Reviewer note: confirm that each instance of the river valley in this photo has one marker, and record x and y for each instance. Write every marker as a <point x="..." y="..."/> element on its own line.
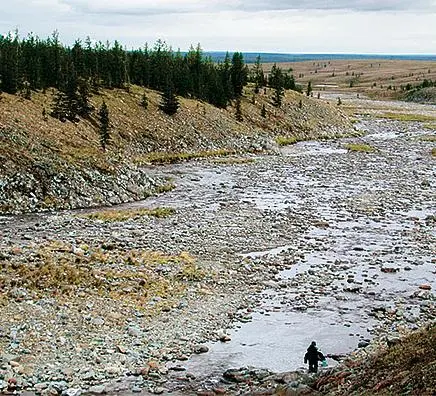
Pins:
<point x="315" y="242"/>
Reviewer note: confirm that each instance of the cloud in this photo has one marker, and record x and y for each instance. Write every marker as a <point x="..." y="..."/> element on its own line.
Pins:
<point x="360" y="5"/>
<point x="259" y="25"/>
<point x="144" y="7"/>
<point x="150" y="7"/>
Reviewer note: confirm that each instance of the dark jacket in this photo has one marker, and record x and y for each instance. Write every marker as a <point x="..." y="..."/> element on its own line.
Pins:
<point x="311" y="354"/>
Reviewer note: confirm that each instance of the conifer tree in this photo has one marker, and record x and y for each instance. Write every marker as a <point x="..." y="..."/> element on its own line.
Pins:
<point x="144" y="101"/>
<point x="277" y="98"/>
<point x="238" y="73"/>
<point x="258" y="76"/>
<point x="25" y="90"/>
<point x="309" y="88"/>
<point x="238" y="111"/>
<point x="276" y="82"/>
<point x="84" y="107"/>
<point x="86" y="67"/>
<point x="263" y="111"/>
<point x="59" y="108"/>
<point x="104" y="131"/>
<point x="169" y="102"/>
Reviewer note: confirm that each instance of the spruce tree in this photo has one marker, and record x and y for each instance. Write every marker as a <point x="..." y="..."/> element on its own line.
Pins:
<point x="84" y="107"/>
<point x="59" y="107"/>
<point x="104" y="131"/>
<point x="276" y="81"/>
<point x="238" y="73"/>
<point x="144" y="101"/>
<point x="309" y="88"/>
<point x="277" y="98"/>
<point x="169" y="102"/>
<point x="258" y="76"/>
<point x="263" y="111"/>
<point x="25" y="90"/>
<point x="238" y="111"/>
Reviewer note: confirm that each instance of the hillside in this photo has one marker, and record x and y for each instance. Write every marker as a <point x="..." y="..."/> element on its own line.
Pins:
<point x="406" y="366"/>
<point x="423" y="95"/>
<point x="374" y="78"/>
<point x="49" y="164"/>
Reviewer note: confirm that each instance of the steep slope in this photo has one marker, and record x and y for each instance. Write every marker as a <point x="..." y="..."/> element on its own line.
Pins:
<point x="49" y="164"/>
<point x="406" y="368"/>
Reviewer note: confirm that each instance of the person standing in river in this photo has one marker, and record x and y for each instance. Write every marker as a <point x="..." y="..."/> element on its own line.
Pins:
<point x="313" y="356"/>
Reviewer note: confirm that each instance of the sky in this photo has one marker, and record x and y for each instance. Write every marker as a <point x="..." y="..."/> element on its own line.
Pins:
<point x="292" y="26"/>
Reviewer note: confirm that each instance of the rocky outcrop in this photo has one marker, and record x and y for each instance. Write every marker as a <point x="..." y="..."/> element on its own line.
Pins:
<point x="50" y="183"/>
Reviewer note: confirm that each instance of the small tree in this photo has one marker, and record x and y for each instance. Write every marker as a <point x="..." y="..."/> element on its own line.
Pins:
<point x="84" y="107"/>
<point x="278" y="95"/>
<point x="59" y="108"/>
<point x="103" y="115"/>
<point x="276" y="81"/>
<point x="25" y="90"/>
<point x="263" y="111"/>
<point x="309" y="88"/>
<point x="169" y="103"/>
<point x="144" y="101"/>
<point x="238" y="112"/>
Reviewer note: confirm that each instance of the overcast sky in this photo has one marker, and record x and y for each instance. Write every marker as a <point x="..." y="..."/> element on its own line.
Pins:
<point x="326" y="26"/>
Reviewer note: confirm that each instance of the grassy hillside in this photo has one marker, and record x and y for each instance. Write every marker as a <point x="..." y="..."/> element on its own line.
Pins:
<point x="46" y="163"/>
<point x="379" y="79"/>
<point x="406" y="368"/>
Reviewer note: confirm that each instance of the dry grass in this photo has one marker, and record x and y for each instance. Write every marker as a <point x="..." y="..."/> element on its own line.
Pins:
<point x="166" y="187"/>
<point x="428" y="138"/>
<point x="170" y="158"/>
<point x="135" y="275"/>
<point x="375" y="78"/>
<point x="408" y="368"/>
<point x="360" y="147"/>
<point x="407" y="117"/>
<point x="114" y="215"/>
<point x="149" y="136"/>
<point x="286" y="140"/>
<point x="430" y="125"/>
<point x="233" y="161"/>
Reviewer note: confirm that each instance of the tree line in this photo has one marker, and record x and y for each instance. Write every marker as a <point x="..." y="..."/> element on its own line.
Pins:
<point x="32" y="63"/>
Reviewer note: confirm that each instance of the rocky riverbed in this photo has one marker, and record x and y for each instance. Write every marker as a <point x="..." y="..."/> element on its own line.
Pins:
<point x="262" y="255"/>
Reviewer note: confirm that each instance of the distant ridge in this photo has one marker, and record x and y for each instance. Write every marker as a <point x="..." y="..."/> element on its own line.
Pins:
<point x="266" y="57"/>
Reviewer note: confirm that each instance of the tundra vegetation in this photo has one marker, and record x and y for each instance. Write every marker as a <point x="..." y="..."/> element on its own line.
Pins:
<point x="360" y="147"/>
